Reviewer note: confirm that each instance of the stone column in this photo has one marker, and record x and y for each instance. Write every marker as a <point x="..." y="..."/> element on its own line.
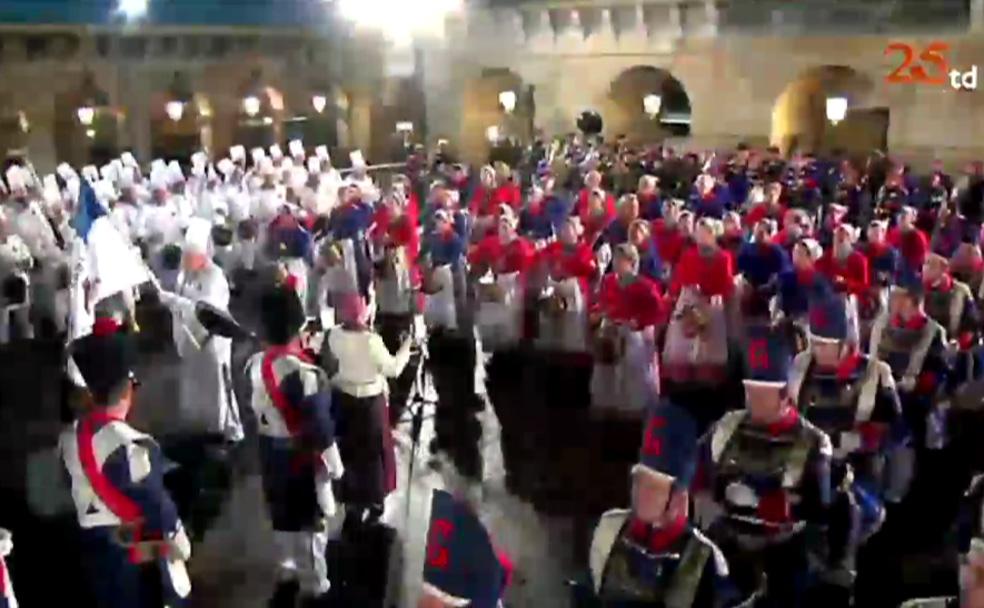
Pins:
<point x="977" y="15"/>
<point x="135" y="93"/>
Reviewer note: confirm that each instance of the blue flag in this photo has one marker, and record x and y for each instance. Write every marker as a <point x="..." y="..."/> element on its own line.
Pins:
<point x="87" y="211"/>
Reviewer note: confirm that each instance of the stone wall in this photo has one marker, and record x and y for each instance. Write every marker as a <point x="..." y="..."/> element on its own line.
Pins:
<point x="733" y="81"/>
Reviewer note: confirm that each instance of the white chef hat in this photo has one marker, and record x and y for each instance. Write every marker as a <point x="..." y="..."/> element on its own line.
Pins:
<point x="127" y="177"/>
<point x="16" y="178"/>
<point x="158" y="175"/>
<point x="50" y="190"/>
<point x="237" y="153"/>
<point x="199" y="160"/>
<point x="174" y="173"/>
<point x="65" y="171"/>
<point x="314" y="165"/>
<point x="287" y="165"/>
<point x="90" y="173"/>
<point x="265" y="166"/>
<point x="296" y="148"/>
<point x="105" y="191"/>
<point x="358" y="159"/>
<point x="226" y="167"/>
<point x="109" y="172"/>
<point x="276" y="153"/>
<point x="128" y="160"/>
<point x="322" y="153"/>
<point x="258" y="154"/>
<point x="198" y="236"/>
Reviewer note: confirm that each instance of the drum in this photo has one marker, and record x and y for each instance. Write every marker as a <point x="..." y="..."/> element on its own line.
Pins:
<point x="222" y="236"/>
<point x="608" y="343"/>
<point x="247" y="230"/>
<point x="429" y="284"/>
<point x="492" y="293"/>
<point x="171" y="257"/>
<point x="14" y="290"/>
<point x="556" y="304"/>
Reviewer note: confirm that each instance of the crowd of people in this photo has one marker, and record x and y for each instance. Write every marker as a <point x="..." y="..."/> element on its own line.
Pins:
<point x="843" y="297"/>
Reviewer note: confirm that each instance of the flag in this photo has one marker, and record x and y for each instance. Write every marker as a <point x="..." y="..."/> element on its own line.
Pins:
<point x="87" y="211"/>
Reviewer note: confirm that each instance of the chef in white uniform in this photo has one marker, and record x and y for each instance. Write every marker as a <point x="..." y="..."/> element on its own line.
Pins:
<point x="206" y="394"/>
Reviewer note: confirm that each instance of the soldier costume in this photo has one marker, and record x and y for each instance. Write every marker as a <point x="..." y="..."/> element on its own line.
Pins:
<point x="207" y="395"/>
<point x="951" y="303"/>
<point x="627" y="313"/>
<point x="851" y="397"/>
<point x="298" y="453"/>
<point x="766" y="471"/>
<point x="650" y="555"/>
<point x="462" y="567"/>
<point x="134" y="542"/>
<point x="912" y="344"/>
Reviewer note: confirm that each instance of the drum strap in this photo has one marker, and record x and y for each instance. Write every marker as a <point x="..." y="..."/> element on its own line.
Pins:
<point x="121" y="505"/>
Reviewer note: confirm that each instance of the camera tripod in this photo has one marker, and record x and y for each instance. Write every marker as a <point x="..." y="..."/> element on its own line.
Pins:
<point x="415" y="413"/>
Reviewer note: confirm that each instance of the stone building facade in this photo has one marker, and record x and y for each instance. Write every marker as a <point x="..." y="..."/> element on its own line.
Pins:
<point x="728" y="70"/>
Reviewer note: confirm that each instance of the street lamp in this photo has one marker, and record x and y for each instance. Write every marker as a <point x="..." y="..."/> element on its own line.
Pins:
<point x="651" y="104"/>
<point x="251" y="105"/>
<point x="180" y="97"/>
<point x="836" y="109"/>
<point x="507" y="99"/>
<point x="91" y="98"/>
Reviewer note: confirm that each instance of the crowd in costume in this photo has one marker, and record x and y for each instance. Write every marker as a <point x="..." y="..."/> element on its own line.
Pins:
<point x="792" y="338"/>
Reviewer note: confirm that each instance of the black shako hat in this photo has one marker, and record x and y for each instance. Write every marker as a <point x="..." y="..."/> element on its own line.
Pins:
<point x="105" y="358"/>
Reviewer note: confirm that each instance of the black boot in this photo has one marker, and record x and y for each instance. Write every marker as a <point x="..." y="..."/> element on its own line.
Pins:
<point x="285" y="595"/>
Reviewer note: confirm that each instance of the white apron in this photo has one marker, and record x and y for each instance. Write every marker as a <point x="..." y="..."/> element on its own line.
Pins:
<point x="394" y="289"/>
<point x="628" y="386"/>
<point x="439" y="307"/>
<point x="207" y="399"/>
<point x="500" y="322"/>
<point x="703" y="358"/>
<point x="566" y="330"/>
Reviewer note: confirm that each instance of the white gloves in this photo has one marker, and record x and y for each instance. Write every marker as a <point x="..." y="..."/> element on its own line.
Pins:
<point x="333" y="469"/>
<point x="180" y="544"/>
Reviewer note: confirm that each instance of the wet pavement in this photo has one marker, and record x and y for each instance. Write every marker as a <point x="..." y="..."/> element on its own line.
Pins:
<point x="551" y="466"/>
<point x="540" y="512"/>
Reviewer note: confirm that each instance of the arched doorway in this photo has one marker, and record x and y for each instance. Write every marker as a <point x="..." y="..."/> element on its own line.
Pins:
<point x="497" y="116"/>
<point x="87" y="126"/>
<point x="799" y="117"/>
<point x="260" y="114"/>
<point x="647" y="105"/>
<point x="176" y="136"/>
<point x="319" y="117"/>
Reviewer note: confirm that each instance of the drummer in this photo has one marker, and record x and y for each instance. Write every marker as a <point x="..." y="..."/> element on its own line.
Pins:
<point x="629" y="309"/>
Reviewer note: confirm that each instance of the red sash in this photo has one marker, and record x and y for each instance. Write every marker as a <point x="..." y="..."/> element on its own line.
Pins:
<point x="121" y="505"/>
<point x="292" y="418"/>
<point x="3" y="578"/>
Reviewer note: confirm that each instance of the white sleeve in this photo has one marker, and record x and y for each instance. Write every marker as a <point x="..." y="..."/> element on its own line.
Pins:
<point x="217" y="290"/>
<point x="389" y="365"/>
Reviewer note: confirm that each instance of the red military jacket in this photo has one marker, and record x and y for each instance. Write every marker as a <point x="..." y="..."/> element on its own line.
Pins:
<point x="487" y="202"/>
<point x="850" y="274"/>
<point x="577" y="261"/>
<point x="641" y="301"/>
<point x="714" y="275"/>
<point x="516" y="256"/>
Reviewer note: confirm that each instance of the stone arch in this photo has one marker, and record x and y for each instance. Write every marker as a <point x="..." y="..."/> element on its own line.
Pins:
<point x="625" y="114"/>
<point x="329" y="127"/>
<point x="482" y="112"/>
<point x="79" y="144"/>
<point x="799" y="116"/>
